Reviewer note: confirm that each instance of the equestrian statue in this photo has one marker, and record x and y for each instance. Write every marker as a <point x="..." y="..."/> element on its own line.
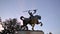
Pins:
<point x="32" y="20"/>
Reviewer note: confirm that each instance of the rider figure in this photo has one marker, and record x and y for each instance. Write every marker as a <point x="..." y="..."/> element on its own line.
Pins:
<point x="31" y="14"/>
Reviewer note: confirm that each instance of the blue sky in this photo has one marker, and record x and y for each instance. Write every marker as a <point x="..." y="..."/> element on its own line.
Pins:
<point x="48" y="9"/>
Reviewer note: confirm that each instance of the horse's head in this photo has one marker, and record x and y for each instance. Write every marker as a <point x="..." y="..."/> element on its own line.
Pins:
<point x="38" y="17"/>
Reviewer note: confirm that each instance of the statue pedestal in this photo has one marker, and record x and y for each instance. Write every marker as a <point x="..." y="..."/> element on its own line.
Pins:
<point x="31" y="32"/>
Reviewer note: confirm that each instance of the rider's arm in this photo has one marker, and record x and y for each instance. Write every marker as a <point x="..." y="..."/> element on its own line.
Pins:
<point x="30" y="13"/>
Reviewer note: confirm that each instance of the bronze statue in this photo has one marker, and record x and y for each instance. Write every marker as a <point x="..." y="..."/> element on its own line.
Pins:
<point x="32" y="20"/>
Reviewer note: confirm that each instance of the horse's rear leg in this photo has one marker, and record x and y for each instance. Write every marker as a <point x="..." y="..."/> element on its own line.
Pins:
<point x="33" y="27"/>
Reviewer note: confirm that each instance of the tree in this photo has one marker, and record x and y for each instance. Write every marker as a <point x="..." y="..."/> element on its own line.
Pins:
<point x="10" y="26"/>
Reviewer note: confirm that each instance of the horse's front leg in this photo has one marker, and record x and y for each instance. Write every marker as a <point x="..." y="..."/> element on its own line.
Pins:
<point x="41" y="24"/>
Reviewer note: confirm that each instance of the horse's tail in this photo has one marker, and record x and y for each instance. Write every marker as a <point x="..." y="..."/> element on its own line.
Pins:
<point x="21" y="17"/>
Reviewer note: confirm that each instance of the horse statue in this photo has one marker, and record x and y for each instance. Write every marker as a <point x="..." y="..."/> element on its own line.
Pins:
<point x="32" y="20"/>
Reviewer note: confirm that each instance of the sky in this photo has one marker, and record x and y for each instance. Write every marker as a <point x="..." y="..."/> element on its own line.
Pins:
<point x="49" y="10"/>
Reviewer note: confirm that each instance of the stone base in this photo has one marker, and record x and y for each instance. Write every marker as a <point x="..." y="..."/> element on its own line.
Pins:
<point x="31" y="32"/>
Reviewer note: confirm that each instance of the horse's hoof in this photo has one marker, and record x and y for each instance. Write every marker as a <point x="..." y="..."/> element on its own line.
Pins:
<point x="41" y="25"/>
<point x="32" y="29"/>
